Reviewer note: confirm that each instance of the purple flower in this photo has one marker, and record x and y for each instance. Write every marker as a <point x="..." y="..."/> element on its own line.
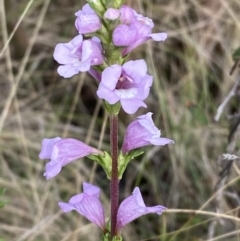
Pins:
<point x="127" y="14"/>
<point x="134" y="30"/>
<point x="112" y="14"/>
<point x="87" y="204"/>
<point x="130" y="84"/>
<point x="61" y="152"/>
<point x="87" y="20"/>
<point x="134" y="207"/>
<point x="78" y="55"/>
<point x="143" y="132"/>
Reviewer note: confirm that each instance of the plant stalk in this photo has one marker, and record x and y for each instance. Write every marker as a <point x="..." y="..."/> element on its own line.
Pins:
<point x="114" y="183"/>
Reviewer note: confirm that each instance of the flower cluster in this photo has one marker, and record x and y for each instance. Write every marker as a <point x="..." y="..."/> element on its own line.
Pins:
<point x="107" y="32"/>
<point x="130" y="82"/>
<point x="88" y="205"/>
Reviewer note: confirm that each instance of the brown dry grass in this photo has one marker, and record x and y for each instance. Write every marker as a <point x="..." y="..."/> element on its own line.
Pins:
<point x="191" y="78"/>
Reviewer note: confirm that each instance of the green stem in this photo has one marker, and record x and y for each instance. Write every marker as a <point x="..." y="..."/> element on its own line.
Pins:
<point x="114" y="184"/>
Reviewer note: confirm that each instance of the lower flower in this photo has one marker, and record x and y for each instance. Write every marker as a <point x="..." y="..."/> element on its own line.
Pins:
<point x="89" y="205"/>
<point x="61" y="152"/>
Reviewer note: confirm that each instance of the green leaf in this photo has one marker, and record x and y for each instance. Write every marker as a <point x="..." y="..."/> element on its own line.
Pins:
<point x="123" y="160"/>
<point x="236" y="54"/>
<point x="105" y="161"/>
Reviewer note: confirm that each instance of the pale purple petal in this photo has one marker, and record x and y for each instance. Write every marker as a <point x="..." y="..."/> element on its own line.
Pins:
<point x="66" y="207"/>
<point x="135" y="69"/>
<point x="67" y="71"/>
<point x="91" y="189"/>
<point x="110" y="76"/>
<point x="143" y="132"/>
<point x="52" y="170"/>
<point x="69" y="149"/>
<point x="91" y="51"/>
<point x="130" y="106"/>
<point x="159" y="36"/>
<point x="160" y="141"/>
<point x="61" y="152"/>
<point x="87" y="20"/>
<point x="133" y="207"/>
<point x="87" y="9"/>
<point x="106" y="94"/>
<point x="112" y="14"/>
<point x="87" y="204"/>
<point x="47" y="146"/>
<point x="124" y="35"/>
<point x="127" y="14"/>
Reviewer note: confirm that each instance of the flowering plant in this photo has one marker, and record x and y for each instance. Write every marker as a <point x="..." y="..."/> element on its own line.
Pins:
<point x="107" y="32"/>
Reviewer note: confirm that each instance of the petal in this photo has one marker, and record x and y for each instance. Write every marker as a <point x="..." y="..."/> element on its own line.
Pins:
<point x="112" y="14"/>
<point x="124" y="35"/>
<point x="131" y="105"/>
<point x="52" y="170"/>
<point x="87" y="204"/>
<point x="67" y="71"/>
<point x="47" y="146"/>
<point x="65" y="53"/>
<point x="127" y="14"/>
<point x="136" y="69"/>
<point x="66" y="207"/>
<point x="126" y="93"/>
<point x="62" y="54"/>
<point x="161" y="141"/>
<point x="91" y="189"/>
<point x="133" y="207"/>
<point x="111" y="75"/>
<point x="106" y="94"/>
<point x="68" y="150"/>
<point x="159" y="36"/>
<point x="87" y="9"/>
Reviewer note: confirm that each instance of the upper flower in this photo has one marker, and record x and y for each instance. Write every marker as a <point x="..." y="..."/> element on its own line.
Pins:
<point x="87" y="20"/>
<point x="78" y="55"/>
<point x="135" y="29"/>
<point x="143" y="132"/>
<point x="87" y="204"/>
<point x="130" y="84"/>
<point x="134" y="207"/>
<point x="61" y="152"/>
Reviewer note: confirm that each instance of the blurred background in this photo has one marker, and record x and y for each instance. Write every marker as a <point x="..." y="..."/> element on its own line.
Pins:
<point x="191" y="79"/>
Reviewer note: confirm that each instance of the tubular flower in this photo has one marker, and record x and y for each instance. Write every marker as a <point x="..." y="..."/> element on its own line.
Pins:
<point x="61" y="152"/>
<point x="112" y="14"/>
<point x="87" y="20"/>
<point x="134" y="207"/>
<point x="130" y="84"/>
<point x="143" y="132"/>
<point x="134" y="30"/>
<point x="87" y="204"/>
<point x="78" y="55"/>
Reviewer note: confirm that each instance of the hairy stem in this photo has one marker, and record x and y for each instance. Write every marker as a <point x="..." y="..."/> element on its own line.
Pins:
<point x="114" y="185"/>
